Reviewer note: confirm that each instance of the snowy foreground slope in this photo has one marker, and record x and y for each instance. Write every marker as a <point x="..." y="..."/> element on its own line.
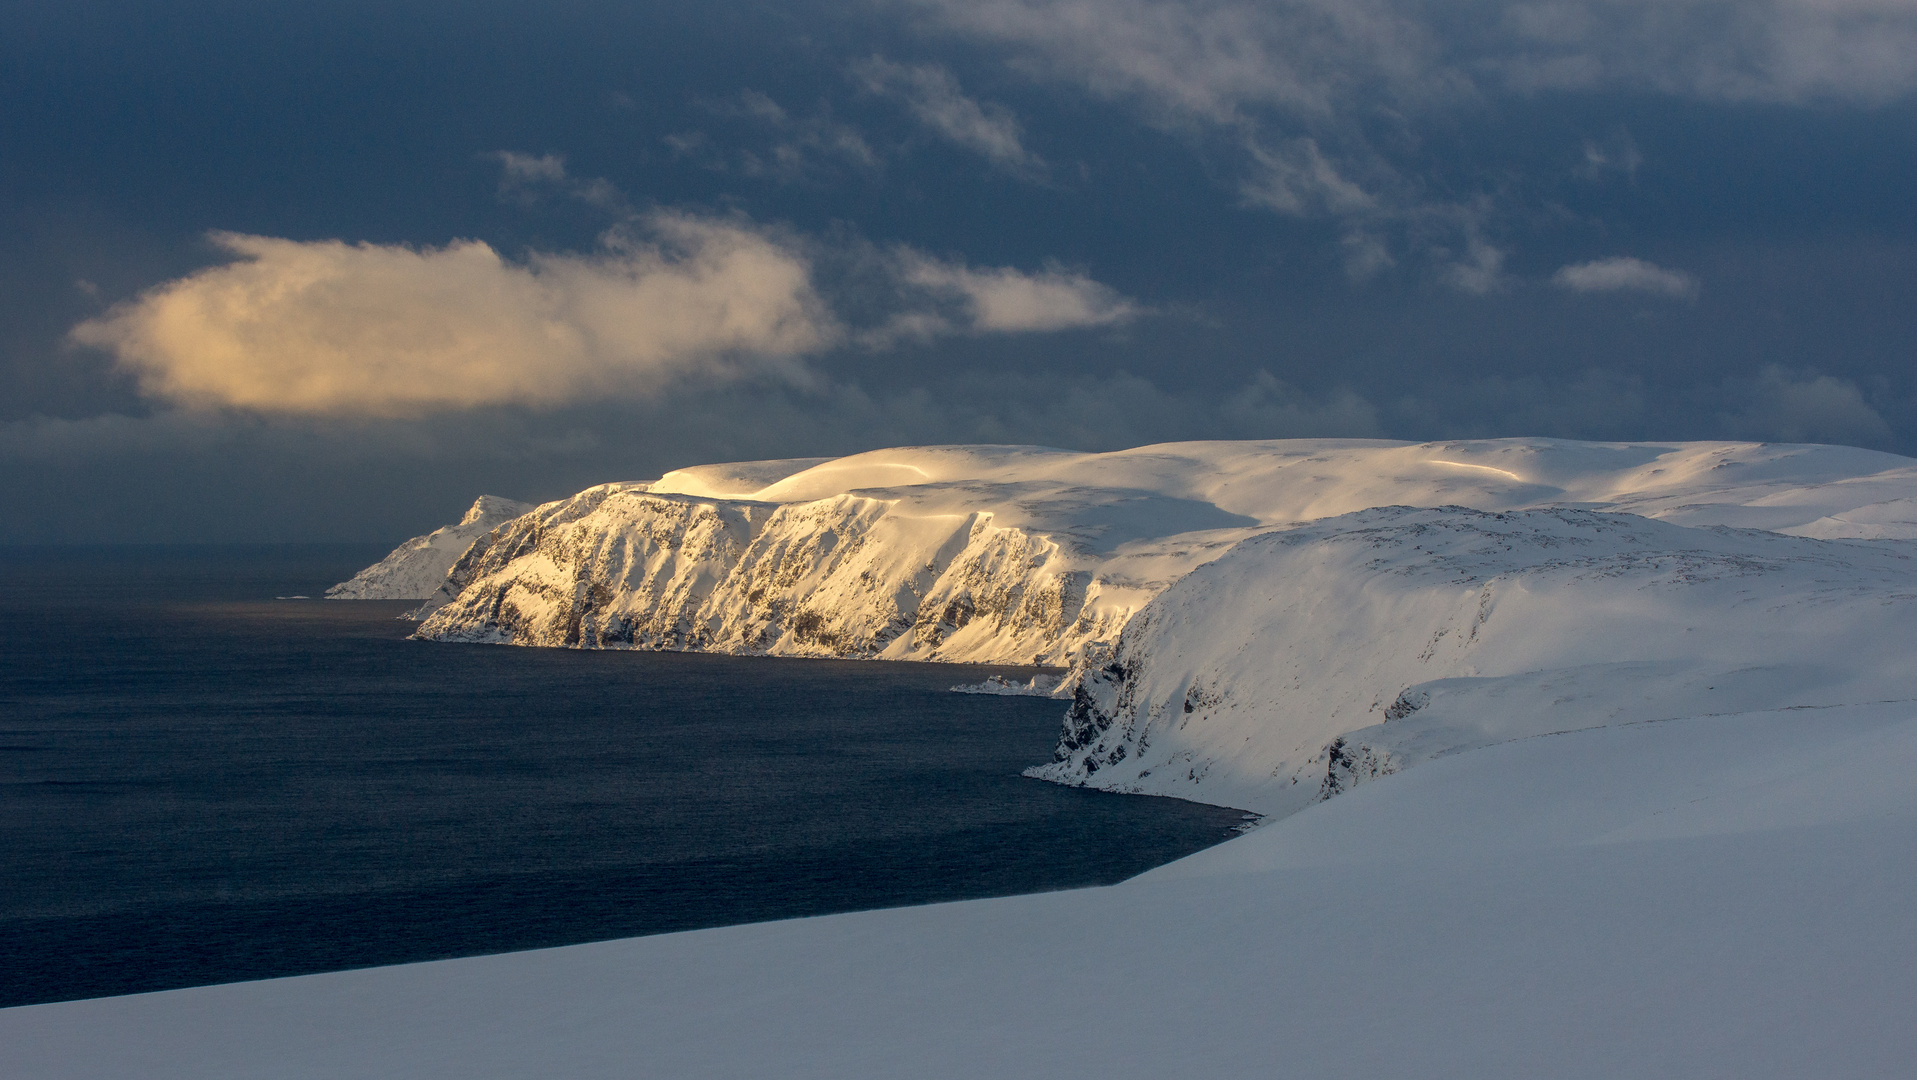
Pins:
<point x="1722" y="896"/>
<point x="416" y="569"/>
<point x="1024" y="554"/>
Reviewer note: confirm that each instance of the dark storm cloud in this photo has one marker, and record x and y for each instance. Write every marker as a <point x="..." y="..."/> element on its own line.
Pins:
<point x="1088" y="223"/>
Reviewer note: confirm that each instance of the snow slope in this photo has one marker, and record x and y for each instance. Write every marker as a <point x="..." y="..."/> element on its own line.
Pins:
<point x="1710" y="897"/>
<point x="1033" y="555"/>
<point x="1306" y="661"/>
<point x="416" y="568"/>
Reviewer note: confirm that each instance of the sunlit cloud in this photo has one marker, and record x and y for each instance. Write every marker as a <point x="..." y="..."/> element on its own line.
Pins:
<point x="1625" y="274"/>
<point x="1007" y="300"/>
<point x="331" y="328"/>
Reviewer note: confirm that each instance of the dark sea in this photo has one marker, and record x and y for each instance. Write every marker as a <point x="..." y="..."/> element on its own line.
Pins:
<point x="200" y="783"/>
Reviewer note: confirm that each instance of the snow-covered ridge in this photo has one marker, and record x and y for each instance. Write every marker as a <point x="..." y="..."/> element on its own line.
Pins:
<point x="1032" y="555"/>
<point x="418" y="567"/>
<point x="1305" y="661"/>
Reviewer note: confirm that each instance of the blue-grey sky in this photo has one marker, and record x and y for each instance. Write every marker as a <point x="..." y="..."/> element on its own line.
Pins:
<point x="326" y="270"/>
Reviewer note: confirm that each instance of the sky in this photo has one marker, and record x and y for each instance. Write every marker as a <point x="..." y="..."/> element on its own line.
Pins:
<point x="326" y="271"/>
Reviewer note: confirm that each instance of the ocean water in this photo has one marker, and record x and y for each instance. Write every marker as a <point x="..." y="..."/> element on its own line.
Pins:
<point x="201" y="783"/>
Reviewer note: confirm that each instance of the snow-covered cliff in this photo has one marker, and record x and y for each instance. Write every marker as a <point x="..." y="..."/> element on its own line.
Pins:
<point x="417" y="568"/>
<point x="1033" y="555"/>
<point x="1305" y="661"/>
<point x="849" y="575"/>
<point x="1256" y="624"/>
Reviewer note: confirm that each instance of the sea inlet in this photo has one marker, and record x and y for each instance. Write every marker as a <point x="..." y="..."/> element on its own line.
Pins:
<point x="201" y="782"/>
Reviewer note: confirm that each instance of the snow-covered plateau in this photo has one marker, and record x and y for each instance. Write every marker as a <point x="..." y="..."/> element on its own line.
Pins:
<point x="1622" y="739"/>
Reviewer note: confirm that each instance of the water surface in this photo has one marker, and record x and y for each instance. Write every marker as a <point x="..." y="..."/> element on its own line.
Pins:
<point x="200" y="783"/>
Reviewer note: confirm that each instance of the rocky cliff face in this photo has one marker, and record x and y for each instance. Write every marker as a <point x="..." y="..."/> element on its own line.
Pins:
<point x="850" y="576"/>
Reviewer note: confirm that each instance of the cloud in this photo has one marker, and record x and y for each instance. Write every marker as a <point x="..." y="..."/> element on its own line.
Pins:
<point x="1480" y="271"/>
<point x="1806" y="407"/>
<point x="1298" y="89"/>
<point x="1220" y="60"/>
<point x="524" y="170"/>
<point x="1624" y="274"/>
<point x="1298" y="179"/>
<point x="1006" y="300"/>
<point x="1785" y="51"/>
<point x="329" y="327"/>
<point x="935" y="99"/>
<point x="1366" y="256"/>
<point x="803" y="146"/>
<point x="1327" y="102"/>
<point x="1205" y="60"/>
<point x="335" y="329"/>
<point x="1618" y="154"/>
<point x="526" y="179"/>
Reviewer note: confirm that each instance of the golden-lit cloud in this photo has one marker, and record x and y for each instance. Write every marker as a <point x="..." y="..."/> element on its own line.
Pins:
<point x="1005" y="300"/>
<point x="330" y="328"/>
<point x="326" y="327"/>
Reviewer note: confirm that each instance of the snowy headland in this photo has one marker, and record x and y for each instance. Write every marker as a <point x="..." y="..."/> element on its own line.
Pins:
<point x="1579" y="760"/>
<point x="1253" y="624"/>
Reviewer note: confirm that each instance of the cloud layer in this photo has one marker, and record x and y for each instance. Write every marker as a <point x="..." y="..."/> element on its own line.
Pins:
<point x="1220" y="59"/>
<point x="1326" y="99"/>
<point x="326" y="327"/>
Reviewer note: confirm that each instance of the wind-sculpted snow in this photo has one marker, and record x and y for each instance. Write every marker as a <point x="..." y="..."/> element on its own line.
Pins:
<point x="1018" y="554"/>
<point x="1306" y="661"/>
<point x="417" y="568"/>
